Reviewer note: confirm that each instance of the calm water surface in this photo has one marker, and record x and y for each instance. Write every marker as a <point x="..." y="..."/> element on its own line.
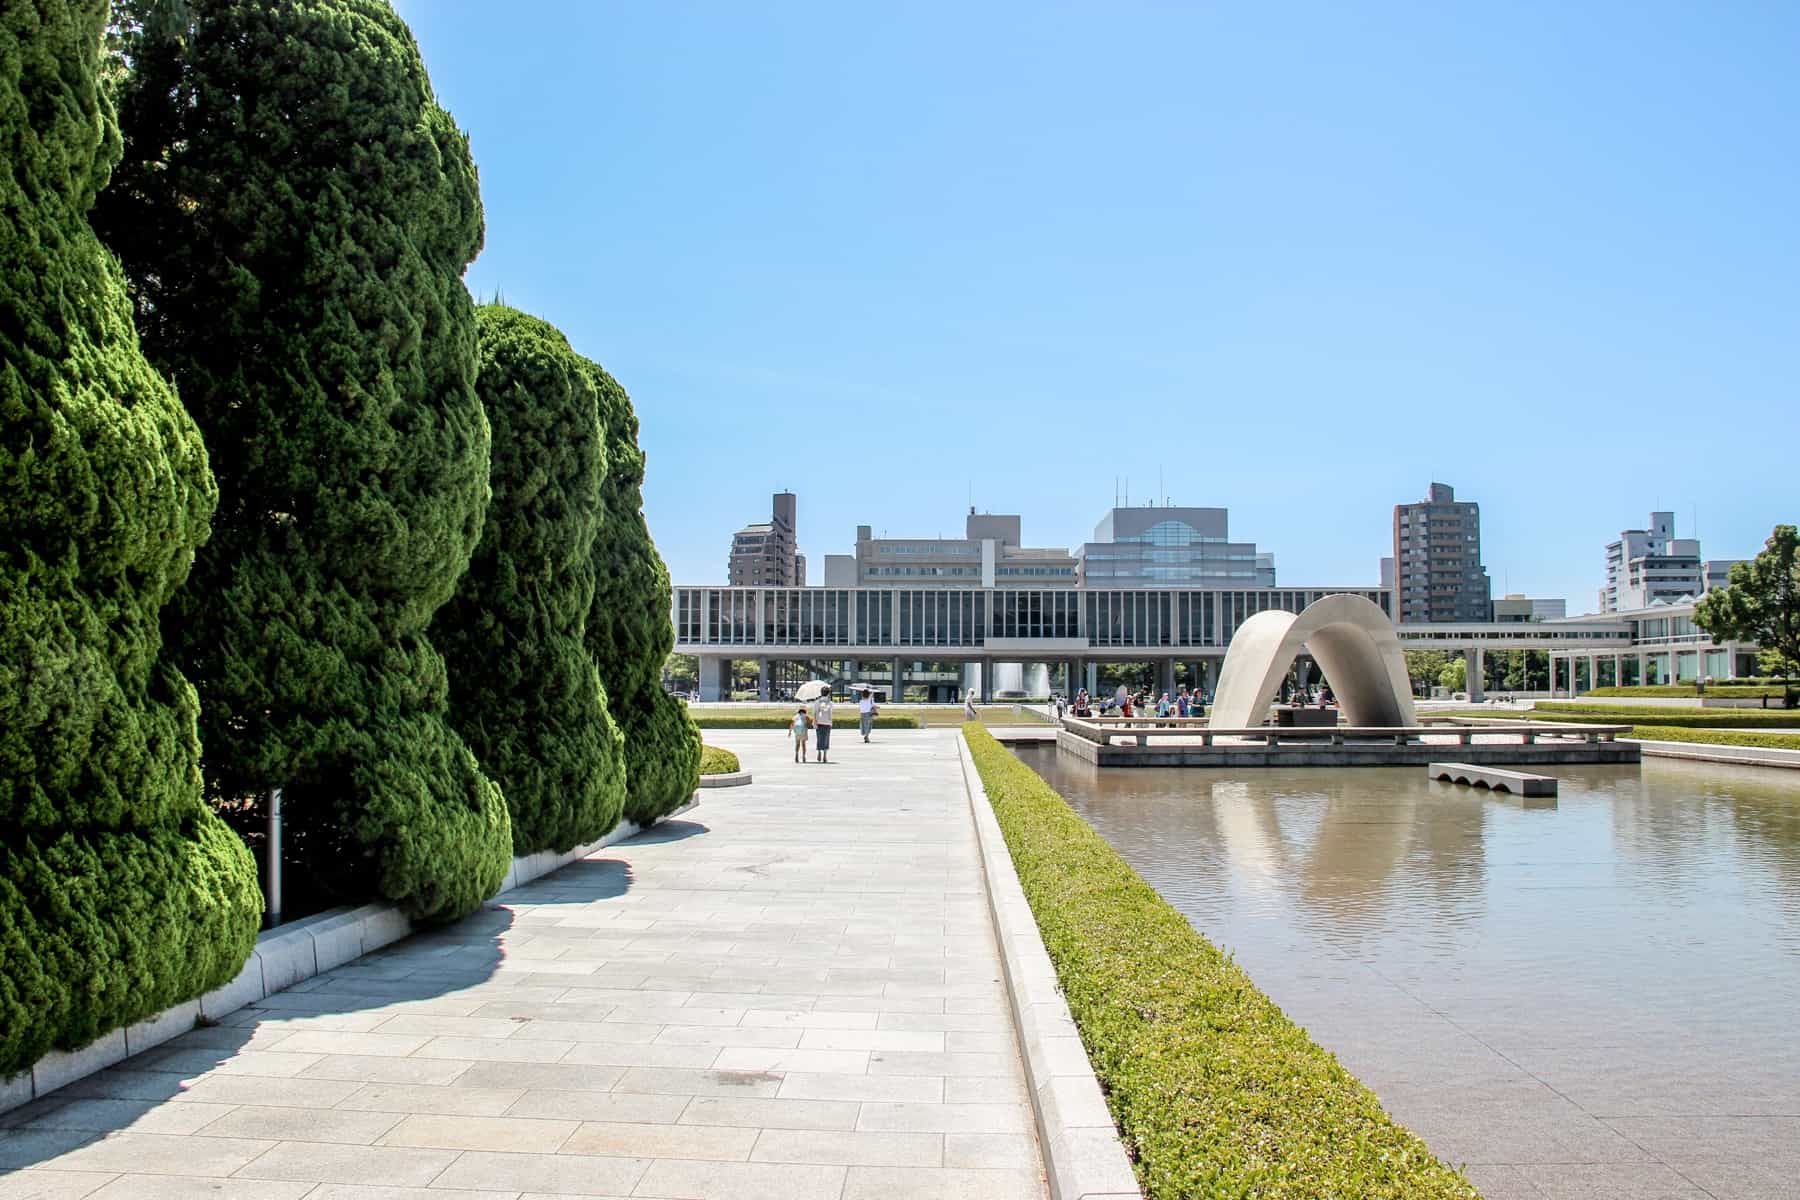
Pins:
<point x="1599" y="997"/>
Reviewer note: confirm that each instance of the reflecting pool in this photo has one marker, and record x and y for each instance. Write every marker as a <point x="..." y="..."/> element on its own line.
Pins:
<point x="1595" y="997"/>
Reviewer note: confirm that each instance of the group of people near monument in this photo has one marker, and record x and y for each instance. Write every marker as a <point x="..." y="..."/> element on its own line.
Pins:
<point x="1141" y="703"/>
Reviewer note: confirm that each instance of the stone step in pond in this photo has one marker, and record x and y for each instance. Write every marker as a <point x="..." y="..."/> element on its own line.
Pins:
<point x="1518" y="783"/>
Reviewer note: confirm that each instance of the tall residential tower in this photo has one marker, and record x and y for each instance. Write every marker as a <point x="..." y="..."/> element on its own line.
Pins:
<point x="766" y="554"/>
<point x="1438" y="574"/>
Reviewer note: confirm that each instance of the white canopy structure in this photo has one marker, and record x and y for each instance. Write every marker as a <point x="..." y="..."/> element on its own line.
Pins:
<point x="1350" y="638"/>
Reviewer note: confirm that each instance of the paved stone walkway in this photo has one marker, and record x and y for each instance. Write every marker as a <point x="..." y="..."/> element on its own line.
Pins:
<point x="792" y="993"/>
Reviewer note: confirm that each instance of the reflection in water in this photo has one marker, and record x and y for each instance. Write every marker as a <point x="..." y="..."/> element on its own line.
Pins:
<point x="1631" y="953"/>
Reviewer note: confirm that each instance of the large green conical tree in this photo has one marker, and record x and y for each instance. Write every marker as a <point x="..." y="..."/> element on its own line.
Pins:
<point x="120" y="892"/>
<point x="524" y="691"/>
<point x="630" y="631"/>
<point x="295" y="213"/>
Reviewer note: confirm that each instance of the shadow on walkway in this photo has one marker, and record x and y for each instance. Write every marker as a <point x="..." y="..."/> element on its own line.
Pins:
<point x="300" y="1047"/>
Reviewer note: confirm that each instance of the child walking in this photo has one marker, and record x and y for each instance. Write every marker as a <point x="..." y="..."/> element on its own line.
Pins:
<point x="799" y="730"/>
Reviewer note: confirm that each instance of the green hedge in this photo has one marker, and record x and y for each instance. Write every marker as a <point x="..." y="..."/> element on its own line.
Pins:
<point x="714" y="761"/>
<point x="1686" y="691"/>
<point x="1215" y="1091"/>
<point x="1681" y="718"/>
<point x="524" y="690"/>
<point x="1716" y="737"/>
<point x="295" y="212"/>
<point x="768" y="720"/>
<point x="629" y="628"/>
<point x="120" y="893"/>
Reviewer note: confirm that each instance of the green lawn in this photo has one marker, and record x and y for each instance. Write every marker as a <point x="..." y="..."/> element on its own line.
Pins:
<point x="1699" y="725"/>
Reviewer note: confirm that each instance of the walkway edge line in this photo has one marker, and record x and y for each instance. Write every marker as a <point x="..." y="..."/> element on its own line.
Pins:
<point x="1719" y="752"/>
<point x="284" y="956"/>
<point x="1083" y="1157"/>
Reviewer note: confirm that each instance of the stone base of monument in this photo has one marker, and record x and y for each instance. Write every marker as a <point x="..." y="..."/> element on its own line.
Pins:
<point x="1175" y="742"/>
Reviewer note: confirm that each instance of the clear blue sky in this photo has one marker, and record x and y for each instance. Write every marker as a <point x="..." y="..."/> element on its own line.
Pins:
<point x="1301" y="259"/>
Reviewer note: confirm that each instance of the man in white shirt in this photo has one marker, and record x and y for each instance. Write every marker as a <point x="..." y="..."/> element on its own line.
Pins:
<point x="865" y="713"/>
<point x="822" y="726"/>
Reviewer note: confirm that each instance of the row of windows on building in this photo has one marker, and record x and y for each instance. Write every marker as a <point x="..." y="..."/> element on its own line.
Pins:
<point x="952" y="617"/>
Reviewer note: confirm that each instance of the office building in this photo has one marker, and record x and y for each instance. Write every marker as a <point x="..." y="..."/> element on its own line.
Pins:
<point x="1716" y="572"/>
<point x="1517" y="607"/>
<point x="1437" y="557"/>
<point x="989" y="554"/>
<point x="1652" y="566"/>
<point x="1162" y="546"/>
<point x="766" y="554"/>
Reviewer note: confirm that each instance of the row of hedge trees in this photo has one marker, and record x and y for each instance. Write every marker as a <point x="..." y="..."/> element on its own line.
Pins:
<point x="332" y="529"/>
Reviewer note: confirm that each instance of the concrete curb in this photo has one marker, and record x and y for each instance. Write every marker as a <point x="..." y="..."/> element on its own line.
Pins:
<point x="284" y="956"/>
<point x="1740" y="756"/>
<point x="725" y="779"/>
<point x="1083" y="1157"/>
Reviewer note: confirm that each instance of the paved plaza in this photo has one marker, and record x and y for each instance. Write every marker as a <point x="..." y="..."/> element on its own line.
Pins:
<point x="792" y="992"/>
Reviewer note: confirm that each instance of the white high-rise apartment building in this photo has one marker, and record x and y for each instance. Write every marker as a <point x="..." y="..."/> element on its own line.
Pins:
<point x="1648" y="566"/>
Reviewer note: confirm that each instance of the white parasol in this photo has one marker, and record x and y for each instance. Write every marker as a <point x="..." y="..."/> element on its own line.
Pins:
<point x="812" y="691"/>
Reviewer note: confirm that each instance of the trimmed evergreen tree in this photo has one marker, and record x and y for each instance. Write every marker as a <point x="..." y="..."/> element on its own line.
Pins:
<point x="120" y="892"/>
<point x="295" y="213"/>
<point x="524" y="691"/>
<point x="630" y="631"/>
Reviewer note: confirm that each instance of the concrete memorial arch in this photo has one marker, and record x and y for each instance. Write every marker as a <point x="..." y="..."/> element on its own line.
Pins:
<point x="1350" y="638"/>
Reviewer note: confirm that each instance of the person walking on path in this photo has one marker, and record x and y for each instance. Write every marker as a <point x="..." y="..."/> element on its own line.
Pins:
<point x="865" y="713"/>
<point x="822" y="726"/>
<point x="798" y="728"/>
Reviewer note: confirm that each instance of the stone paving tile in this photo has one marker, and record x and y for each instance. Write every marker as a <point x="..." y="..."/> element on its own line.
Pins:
<point x="440" y="1100"/>
<point x="323" y="1162"/>
<point x="850" y="1149"/>
<point x="577" y="1174"/>
<point x="164" y="1154"/>
<point x="946" y="1183"/>
<point x="53" y="1185"/>
<point x="357" y="1068"/>
<point x="339" y="1191"/>
<point x="687" y="1180"/>
<point x="632" y="1107"/>
<point x="792" y="993"/>
<point x="1593" y="1181"/>
<point x="1005" y="1150"/>
<point x="725" y="1144"/>
<point x="135" y="1116"/>
<point x="303" y="1124"/>
<point x="771" y="1114"/>
<point x="185" y="1187"/>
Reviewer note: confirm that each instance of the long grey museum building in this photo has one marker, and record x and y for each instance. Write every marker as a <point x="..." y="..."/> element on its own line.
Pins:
<point x="1159" y="584"/>
<point x="1002" y="640"/>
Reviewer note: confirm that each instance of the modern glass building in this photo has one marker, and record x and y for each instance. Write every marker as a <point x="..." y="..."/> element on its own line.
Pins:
<point x="1160" y="546"/>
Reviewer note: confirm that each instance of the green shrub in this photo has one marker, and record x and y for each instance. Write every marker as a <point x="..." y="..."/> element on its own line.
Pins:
<point x="777" y="720"/>
<point x="1215" y="1091"/>
<point x="295" y="212"/>
<point x="120" y="893"/>
<point x="524" y="691"/>
<point x="629" y="628"/>
<point x="1687" y="691"/>
<point x="714" y="761"/>
<point x="1685" y="718"/>
<point x="1716" y="737"/>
